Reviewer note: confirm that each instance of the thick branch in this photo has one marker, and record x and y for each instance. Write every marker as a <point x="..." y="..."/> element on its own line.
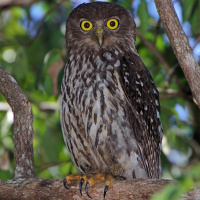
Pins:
<point x="54" y="189"/>
<point x="23" y="120"/>
<point x="140" y="189"/>
<point x="180" y="46"/>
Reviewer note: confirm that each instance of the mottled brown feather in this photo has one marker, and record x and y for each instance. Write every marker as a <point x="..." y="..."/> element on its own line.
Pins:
<point x="109" y="102"/>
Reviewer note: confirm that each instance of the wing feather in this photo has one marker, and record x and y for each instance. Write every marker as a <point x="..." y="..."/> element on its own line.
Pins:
<point x="143" y="109"/>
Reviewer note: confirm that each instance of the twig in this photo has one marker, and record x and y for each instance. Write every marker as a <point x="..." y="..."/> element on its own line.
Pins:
<point x="43" y="106"/>
<point x="170" y="93"/>
<point x="45" y="166"/>
<point x="196" y="42"/>
<point x="170" y="74"/>
<point x="195" y="146"/>
<point x="160" y="58"/>
<point x="155" y="51"/>
<point x="40" y="26"/>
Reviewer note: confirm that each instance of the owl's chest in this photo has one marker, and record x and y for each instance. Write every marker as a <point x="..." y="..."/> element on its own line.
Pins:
<point x="93" y="81"/>
<point x="95" y="98"/>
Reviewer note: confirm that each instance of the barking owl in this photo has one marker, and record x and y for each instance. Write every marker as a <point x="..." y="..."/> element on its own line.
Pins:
<point x="110" y="111"/>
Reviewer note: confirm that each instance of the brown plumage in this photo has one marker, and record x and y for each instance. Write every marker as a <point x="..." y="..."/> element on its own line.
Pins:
<point x="109" y="103"/>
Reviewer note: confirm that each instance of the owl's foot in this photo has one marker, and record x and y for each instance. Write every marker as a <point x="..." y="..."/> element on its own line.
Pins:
<point x="89" y="180"/>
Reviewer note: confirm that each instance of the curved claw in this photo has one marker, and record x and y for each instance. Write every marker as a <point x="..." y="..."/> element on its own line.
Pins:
<point x="105" y="190"/>
<point x="65" y="184"/>
<point x="81" y="184"/>
<point x="86" y="189"/>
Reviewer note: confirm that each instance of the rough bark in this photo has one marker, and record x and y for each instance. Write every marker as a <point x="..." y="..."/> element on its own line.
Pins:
<point x="22" y="129"/>
<point x="181" y="46"/>
<point x="30" y="189"/>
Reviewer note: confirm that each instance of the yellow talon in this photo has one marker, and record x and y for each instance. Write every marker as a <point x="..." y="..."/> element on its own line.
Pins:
<point x="89" y="180"/>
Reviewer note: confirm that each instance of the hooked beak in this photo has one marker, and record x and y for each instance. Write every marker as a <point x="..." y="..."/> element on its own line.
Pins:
<point x="99" y="35"/>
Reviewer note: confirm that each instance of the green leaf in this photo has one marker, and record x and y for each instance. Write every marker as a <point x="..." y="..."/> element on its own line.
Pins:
<point x="5" y="175"/>
<point x="20" y="68"/>
<point x="52" y="57"/>
<point x="187" y="8"/>
<point x="190" y="12"/>
<point x="48" y="85"/>
<point x="195" y="22"/>
<point x="143" y="15"/>
<point x="126" y="4"/>
<point x="60" y="77"/>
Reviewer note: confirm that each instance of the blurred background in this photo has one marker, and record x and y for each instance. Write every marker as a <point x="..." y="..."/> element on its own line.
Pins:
<point x="32" y="50"/>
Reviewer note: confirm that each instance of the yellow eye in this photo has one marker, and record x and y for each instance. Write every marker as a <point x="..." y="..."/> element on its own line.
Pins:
<point x="86" y="25"/>
<point x="112" y="24"/>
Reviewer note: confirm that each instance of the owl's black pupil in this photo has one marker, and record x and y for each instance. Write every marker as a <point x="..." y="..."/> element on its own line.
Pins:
<point x="86" y="25"/>
<point x="112" y="24"/>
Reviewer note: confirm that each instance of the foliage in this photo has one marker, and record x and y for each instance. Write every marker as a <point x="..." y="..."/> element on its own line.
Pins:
<point x="32" y="49"/>
<point x="185" y="182"/>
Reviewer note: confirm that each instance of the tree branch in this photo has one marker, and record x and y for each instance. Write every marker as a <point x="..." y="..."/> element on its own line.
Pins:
<point x="43" y="106"/>
<point x="155" y="51"/>
<point x="181" y="46"/>
<point x="140" y="189"/>
<point x="23" y="120"/>
<point x="170" y="93"/>
<point x="54" y="189"/>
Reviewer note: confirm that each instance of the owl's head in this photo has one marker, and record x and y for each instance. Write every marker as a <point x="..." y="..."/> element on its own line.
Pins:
<point x="100" y="25"/>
